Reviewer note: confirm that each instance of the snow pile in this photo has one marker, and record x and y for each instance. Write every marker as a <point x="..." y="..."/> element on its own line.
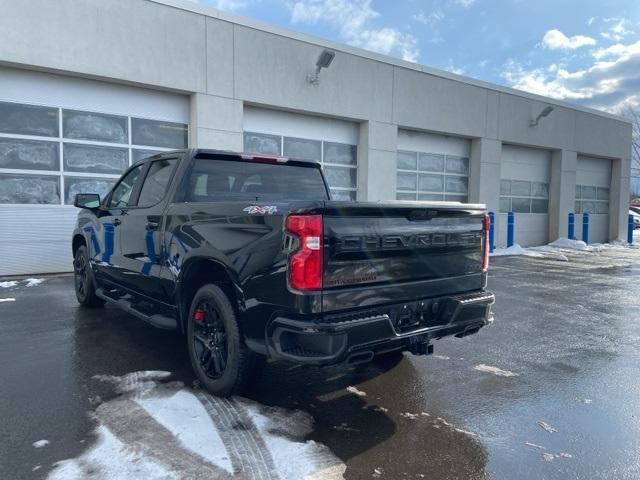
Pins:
<point x="41" y="443"/>
<point x="554" y="250"/>
<point x="158" y="429"/>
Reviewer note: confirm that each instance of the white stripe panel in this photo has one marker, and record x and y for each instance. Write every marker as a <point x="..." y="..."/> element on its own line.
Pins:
<point x="36" y="238"/>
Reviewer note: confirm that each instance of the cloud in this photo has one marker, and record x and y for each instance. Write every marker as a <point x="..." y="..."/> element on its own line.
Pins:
<point x="464" y="3"/>
<point x="428" y="18"/>
<point x="618" y="30"/>
<point x="555" y="40"/>
<point x="591" y="20"/>
<point x="354" y="21"/>
<point x="611" y="82"/>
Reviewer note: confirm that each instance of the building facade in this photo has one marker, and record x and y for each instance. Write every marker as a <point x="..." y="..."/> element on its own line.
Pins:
<point x="88" y="87"/>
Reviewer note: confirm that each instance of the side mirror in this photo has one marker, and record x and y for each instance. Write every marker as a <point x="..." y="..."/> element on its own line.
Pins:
<point x="87" y="200"/>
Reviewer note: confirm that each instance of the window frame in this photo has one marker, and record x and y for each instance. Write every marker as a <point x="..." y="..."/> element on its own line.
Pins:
<point x="579" y="200"/>
<point x="510" y="196"/>
<point x="135" y="190"/>
<point x="146" y="169"/>
<point x="322" y="162"/>
<point x="443" y="174"/>
<point x="60" y="173"/>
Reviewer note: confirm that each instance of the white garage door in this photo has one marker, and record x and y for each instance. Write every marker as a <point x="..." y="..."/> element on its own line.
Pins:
<point x="593" y="179"/>
<point x="432" y="167"/>
<point x="60" y="136"/>
<point x="524" y="190"/>
<point x="331" y="142"/>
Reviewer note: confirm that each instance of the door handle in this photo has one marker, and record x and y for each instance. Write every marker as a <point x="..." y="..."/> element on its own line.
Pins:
<point x="117" y="222"/>
<point x="152" y="225"/>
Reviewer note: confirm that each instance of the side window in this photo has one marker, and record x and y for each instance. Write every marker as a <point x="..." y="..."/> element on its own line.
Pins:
<point x="122" y="192"/>
<point x="156" y="183"/>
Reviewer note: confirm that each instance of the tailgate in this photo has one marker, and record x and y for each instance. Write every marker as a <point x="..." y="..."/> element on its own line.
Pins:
<point x="392" y="252"/>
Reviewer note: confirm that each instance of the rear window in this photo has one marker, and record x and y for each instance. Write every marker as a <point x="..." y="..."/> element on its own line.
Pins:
<point x="216" y="180"/>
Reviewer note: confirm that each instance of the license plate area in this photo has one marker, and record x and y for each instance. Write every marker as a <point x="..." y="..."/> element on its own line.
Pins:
<point x="416" y="315"/>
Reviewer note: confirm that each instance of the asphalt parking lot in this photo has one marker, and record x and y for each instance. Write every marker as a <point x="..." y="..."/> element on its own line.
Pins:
<point x="549" y="391"/>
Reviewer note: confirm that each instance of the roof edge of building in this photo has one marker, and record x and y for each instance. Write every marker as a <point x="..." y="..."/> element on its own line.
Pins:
<point x="209" y="11"/>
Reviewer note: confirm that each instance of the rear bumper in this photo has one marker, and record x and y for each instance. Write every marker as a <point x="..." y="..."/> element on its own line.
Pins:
<point x="357" y="337"/>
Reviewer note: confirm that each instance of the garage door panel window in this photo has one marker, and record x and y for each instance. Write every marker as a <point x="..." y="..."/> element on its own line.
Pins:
<point x="22" y="119"/>
<point x="520" y="196"/>
<point x="30" y="189"/>
<point x="302" y="149"/>
<point x="29" y="154"/>
<point x="156" y="133"/>
<point x="95" y="159"/>
<point x="262" y="143"/>
<point x="340" y="176"/>
<point x="428" y="162"/>
<point x="432" y="177"/>
<point x="407" y="161"/>
<point x="91" y="145"/>
<point x="95" y="126"/>
<point x="340" y="153"/>
<point x="339" y="160"/>
<point x="592" y="199"/>
<point x="75" y="185"/>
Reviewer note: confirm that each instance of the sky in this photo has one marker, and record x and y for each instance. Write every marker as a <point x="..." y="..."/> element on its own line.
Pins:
<point x="581" y="51"/>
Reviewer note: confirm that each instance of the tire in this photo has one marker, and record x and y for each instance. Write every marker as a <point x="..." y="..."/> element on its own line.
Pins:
<point x="219" y="358"/>
<point x="84" y="281"/>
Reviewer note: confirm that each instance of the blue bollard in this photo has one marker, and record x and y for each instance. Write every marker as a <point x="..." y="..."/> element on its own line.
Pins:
<point x="510" y="224"/>
<point x="491" y="234"/>
<point x="630" y="230"/>
<point x="585" y="227"/>
<point x="571" y="234"/>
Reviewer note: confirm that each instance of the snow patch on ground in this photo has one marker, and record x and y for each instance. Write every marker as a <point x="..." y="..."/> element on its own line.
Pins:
<point x="158" y="429"/>
<point x="185" y="417"/>
<point x="8" y="284"/>
<point x="41" y="443"/>
<point x="355" y="391"/>
<point x="110" y="459"/>
<point x="32" y="282"/>
<point x="534" y="445"/>
<point x="494" y="370"/>
<point x="554" y="250"/>
<point x="7" y="300"/>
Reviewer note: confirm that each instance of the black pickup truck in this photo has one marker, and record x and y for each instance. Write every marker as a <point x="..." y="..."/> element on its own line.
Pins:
<point x="249" y="258"/>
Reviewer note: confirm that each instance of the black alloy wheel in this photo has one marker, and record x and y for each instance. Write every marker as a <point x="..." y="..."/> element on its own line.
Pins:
<point x="210" y="340"/>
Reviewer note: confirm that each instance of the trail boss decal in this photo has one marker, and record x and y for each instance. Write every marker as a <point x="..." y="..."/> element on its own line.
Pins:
<point x="260" y="210"/>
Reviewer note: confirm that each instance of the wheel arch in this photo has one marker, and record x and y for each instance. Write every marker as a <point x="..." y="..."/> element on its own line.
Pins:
<point x="198" y="272"/>
<point x="78" y="241"/>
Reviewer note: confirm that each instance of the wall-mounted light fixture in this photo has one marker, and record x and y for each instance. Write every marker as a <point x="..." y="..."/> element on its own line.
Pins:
<point x="324" y="60"/>
<point x="544" y="113"/>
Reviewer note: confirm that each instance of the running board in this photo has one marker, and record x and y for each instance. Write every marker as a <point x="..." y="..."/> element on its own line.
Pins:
<point x="160" y="321"/>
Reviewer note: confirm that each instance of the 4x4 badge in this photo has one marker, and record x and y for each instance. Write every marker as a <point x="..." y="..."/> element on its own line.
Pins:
<point x="261" y="210"/>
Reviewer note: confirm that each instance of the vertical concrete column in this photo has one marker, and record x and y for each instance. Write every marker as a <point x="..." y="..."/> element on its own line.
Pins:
<point x="215" y="122"/>
<point x="562" y="192"/>
<point x="619" y="198"/>
<point x="377" y="149"/>
<point x="484" y="172"/>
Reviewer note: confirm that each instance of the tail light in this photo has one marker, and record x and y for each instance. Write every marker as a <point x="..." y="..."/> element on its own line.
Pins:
<point x="486" y="224"/>
<point x="305" y="263"/>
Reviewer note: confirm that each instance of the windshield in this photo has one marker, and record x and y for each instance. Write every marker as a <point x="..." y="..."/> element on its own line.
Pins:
<point x="216" y="180"/>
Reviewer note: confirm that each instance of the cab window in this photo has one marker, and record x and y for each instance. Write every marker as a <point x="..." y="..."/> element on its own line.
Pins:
<point x="122" y="193"/>
<point x="156" y="182"/>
